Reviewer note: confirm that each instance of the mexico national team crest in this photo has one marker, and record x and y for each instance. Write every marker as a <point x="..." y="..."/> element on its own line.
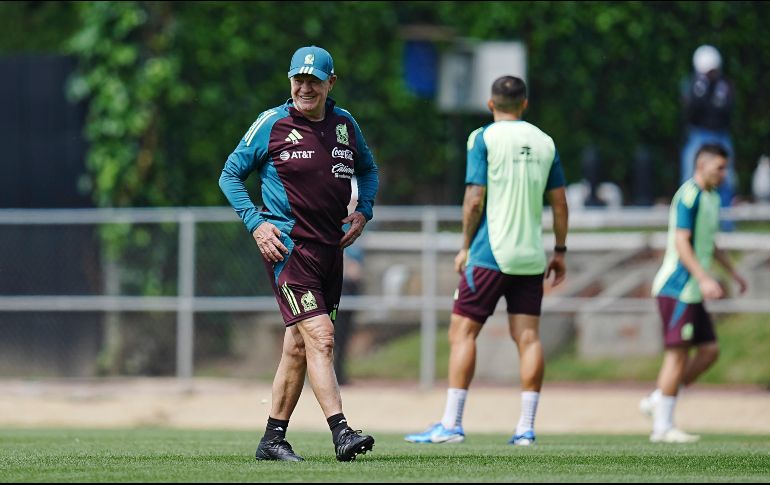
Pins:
<point x="342" y="134"/>
<point x="308" y="302"/>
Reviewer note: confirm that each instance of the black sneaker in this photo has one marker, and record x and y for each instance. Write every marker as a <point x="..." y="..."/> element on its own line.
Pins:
<point x="350" y="443"/>
<point x="276" y="449"/>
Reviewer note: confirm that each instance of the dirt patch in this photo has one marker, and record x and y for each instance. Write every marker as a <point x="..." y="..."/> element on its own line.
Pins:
<point x="372" y="406"/>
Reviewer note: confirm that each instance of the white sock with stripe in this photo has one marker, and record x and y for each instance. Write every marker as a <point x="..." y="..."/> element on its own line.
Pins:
<point x="529" y="400"/>
<point x="455" y="404"/>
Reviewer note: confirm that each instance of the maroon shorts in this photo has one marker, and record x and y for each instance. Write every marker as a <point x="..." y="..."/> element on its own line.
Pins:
<point x="480" y="289"/>
<point x="308" y="282"/>
<point x="685" y="323"/>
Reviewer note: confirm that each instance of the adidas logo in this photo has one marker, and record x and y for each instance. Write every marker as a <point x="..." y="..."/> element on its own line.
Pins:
<point x="294" y="137"/>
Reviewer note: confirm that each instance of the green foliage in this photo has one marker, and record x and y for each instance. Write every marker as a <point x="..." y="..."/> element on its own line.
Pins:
<point x="173" y="86"/>
<point x="36" y="27"/>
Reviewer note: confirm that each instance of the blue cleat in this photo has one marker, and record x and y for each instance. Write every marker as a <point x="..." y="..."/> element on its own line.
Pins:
<point x="525" y="439"/>
<point x="438" y="434"/>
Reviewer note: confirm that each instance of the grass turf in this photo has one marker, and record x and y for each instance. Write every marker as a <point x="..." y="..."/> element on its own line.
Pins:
<point x="172" y="455"/>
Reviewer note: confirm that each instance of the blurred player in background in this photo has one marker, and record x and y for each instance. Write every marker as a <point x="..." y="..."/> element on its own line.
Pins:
<point x="708" y="100"/>
<point x="680" y="286"/>
<point x="512" y="165"/>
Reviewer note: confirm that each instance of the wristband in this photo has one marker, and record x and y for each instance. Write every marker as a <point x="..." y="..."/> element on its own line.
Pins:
<point x="560" y="249"/>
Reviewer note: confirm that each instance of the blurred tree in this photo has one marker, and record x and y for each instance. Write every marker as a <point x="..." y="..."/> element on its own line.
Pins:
<point x="172" y="86"/>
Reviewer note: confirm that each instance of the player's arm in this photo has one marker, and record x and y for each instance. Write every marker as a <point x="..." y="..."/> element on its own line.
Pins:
<point x="249" y="155"/>
<point x="367" y="177"/>
<point x="686" y="214"/>
<point x="473" y="211"/>
<point x="709" y="287"/>
<point x="724" y="260"/>
<point x="475" y="194"/>
<point x="556" y="195"/>
<point x="557" y="198"/>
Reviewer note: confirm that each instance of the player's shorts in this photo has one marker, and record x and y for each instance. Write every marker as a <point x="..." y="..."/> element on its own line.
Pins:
<point x="308" y="282"/>
<point x="685" y="323"/>
<point x="481" y="288"/>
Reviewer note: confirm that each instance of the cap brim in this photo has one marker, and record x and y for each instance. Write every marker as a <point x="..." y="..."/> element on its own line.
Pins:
<point x="309" y="70"/>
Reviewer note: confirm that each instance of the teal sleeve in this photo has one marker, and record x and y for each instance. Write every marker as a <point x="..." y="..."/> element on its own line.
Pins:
<point x="367" y="173"/>
<point x="685" y="216"/>
<point x="476" y="168"/>
<point x="556" y="175"/>
<point x="250" y="154"/>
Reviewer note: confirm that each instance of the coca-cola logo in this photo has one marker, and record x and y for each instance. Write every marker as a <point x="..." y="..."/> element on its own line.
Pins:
<point x="342" y="171"/>
<point x="342" y="153"/>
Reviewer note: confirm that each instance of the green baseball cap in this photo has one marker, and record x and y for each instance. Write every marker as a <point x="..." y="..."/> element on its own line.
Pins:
<point x="312" y="60"/>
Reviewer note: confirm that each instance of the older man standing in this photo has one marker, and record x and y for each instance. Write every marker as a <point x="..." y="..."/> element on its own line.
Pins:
<point x="306" y="151"/>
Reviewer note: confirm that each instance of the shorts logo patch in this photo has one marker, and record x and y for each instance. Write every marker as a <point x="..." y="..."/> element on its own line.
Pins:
<point x="333" y="314"/>
<point x="687" y="331"/>
<point x="290" y="299"/>
<point x="457" y="293"/>
<point x="308" y="302"/>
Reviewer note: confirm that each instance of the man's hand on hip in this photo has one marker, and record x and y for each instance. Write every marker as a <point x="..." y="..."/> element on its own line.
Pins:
<point x="461" y="259"/>
<point x="357" y="222"/>
<point x="268" y="239"/>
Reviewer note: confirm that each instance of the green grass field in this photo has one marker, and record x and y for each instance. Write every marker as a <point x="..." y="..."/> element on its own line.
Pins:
<point x="170" y="455"/>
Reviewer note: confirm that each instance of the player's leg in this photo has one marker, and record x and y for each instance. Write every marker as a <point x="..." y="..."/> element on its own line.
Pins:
<point x="318" y="335"/>
<point x="462" y="351"/>
<point x="669" y="379"/>
<point x="705" y="356"/>
<point x="678" y="331"/>
<point x="290" y="375"/>
<point x="524" y="297"/>
<point x="704" y="340"/>
<point x="524" y="330"/>
<point x="287" y="387"/>
<point x="462" y="366"/>
<point x="475" y="300"/>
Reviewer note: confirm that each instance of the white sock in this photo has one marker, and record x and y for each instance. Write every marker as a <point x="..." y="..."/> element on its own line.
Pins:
<point x="663" y="416"/>
<point x="455" y="403"/>
<point x="529" y="400"/>
<point x="655" y="396"/>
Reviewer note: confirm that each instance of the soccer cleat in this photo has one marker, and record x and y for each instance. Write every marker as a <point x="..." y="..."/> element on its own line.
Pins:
<point x="350" y="443"/>
<point x="674" y="435"/>
<point x="276" y="449"/>
<point x="438" y="434"/>
<point x="527" y="438"/>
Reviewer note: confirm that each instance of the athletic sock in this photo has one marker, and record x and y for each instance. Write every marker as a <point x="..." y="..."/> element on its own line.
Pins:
<point x="337" y="424"/>
<point x="663" y="417"/>
<point x="655" y="396"/>
<point x="275" y="427"/>
<point x="453" y="412"/>
<point x="529" y="400"/>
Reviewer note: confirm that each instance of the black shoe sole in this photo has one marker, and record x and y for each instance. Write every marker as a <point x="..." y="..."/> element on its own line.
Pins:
<point x="259" y="458"/>
<point x="263" y="457"/>
<point x="366" y="445"/>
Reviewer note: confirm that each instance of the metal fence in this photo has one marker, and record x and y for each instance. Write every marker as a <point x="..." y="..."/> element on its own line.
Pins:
<point x="187" y="263"/>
